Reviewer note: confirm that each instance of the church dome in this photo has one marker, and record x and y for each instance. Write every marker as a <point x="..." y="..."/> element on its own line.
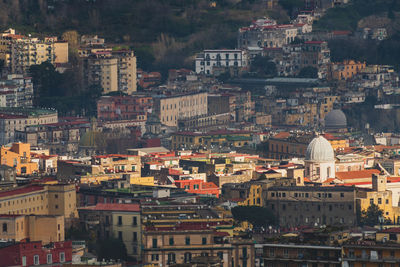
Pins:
<point x="320" y="150"/>
<point x="335" y="119"/>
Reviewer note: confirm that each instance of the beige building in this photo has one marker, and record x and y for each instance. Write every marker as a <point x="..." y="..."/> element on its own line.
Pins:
<point x="19" y="52"/>
<point x="111" y="70"/>
<point x="16" y="119"/>
<point x="173" y="108"/>
<point x="59" y="199"/>
<point x="122" y="221"/>
<point x="45" y="228"/>
<point x="165" y="246"/>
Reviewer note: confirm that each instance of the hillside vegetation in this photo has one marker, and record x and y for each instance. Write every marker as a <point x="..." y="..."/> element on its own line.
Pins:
<point x="164" y="33"/>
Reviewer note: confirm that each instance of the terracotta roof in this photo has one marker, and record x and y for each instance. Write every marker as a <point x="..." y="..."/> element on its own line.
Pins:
<point x="114" y="207"/>
<point x="282" y="135"/>
<point x="20" y="191"/>
<point x="356" y="174"/>
<point x="391" y="230"/>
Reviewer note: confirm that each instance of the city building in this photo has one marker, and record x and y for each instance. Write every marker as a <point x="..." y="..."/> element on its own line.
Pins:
<point x="281" y="255"/>
<point x="215" y="62"/>
<point x="302" y="205"/>
<point x="16" y="91"/>
<point x="122" y="221"/>
<point x="29" y="253"/>
<point x="344" y="70"/>
<point x="44" y="228"/>
<point x="123" y="107"/>
<point x="173" y="108"/>
<point x="179" y="244"/>
<point x="18" y="156"/>
<point x="320" y="160"/>
<point x="16" y="119"/>
<point x="58" y="199"/>
<point x="20" y="52"/>
<point x="112" y="70"/>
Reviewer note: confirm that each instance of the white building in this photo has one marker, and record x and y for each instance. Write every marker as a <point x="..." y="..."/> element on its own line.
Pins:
<point x="16" y="91"/>
<point x="224" y="59"/>
<point x="320" y="160"/>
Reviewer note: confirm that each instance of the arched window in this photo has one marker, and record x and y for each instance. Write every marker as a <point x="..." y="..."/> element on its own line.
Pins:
<point x="188" y="257"/>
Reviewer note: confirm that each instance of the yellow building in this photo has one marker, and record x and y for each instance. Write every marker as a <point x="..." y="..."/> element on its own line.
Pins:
<point x="368" y="255"/>
<point x="254" y="197"/>
<point x="149" y="181"/>
<point x="19" y="157"/>
<point x="43" y="228"/>
<point x="344" y="70"/>
<point x="40" y="200"/>
<point x="117" y="163"/>
<point x="380" y="196"/>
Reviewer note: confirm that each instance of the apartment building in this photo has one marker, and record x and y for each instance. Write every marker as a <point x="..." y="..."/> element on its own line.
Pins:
<point x="112" y="70"/>
<point x="223" y="138"/>
<point x="45" y="228"/>
<point x="16" y="91"/>
<point x="16" y="119"/>
<point x="215" y="62"/>
<point x="344" y="70"/>
<point x="173" y="108"/>
<point x="20" y="52"/>
<point x="18" y="156"/>
<point x="122" y="221"/>
<point x="166" y="245"/>
<point x="59" y="199"/>
<point x="291" y="255"/>
<point x="123" y="107"/>
<point x="299" y="205"/>
<point x="29" y="253"/>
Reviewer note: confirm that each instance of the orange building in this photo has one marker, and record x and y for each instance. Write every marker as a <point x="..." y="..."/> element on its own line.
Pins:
<point x="344" y="70"/>
<point x="197" y="186"/>
<point x="19" y="157"/>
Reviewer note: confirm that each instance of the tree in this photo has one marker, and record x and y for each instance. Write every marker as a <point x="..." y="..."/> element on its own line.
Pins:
<point x="258" y="216"/>
<point x="111" y="249"/>
<point x="263" y="66"/>
<point x="371" y="216"/>
<point x="308" y="72"/>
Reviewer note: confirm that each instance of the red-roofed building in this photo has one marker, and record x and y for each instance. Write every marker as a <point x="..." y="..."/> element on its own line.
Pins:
<point x="35" y="253"/>
<point x="198" y="186"/>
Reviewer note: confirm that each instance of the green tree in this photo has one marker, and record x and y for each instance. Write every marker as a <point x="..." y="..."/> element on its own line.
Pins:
<point x="371" y="216"/>
<point x="111" y="249"/>
<point x="308" y="72"/>
<point x="258" y="216"/>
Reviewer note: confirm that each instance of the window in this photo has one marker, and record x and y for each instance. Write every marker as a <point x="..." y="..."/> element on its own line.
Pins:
<point x="154" y="257"/>
<point x="119" y="220"/>
<point x="171" y="258"/>
<point x="134" y="236"/>
<point x="371" y="201"/>
<point x="171" y="241"/>
<point x="204" y="240"/>
<point x="220" y="255"/>
<point x="49" y="258"/>
<point x="154" y="242"/>
<point x="36" y="260"/>
<point x="285" y="253"/>
<point x="341" y="194"/>
<point x="62" y="256"/>
<point x="272" y="252"/>
<point x="23" y="260"/>
<point x="188" y="257"/>
<point x="187" y="241"/>
<point x="379" y="200"/>
<point x="134" y="222"/>
<point x="4" y="227"/>
<point x="120" y="235"/>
